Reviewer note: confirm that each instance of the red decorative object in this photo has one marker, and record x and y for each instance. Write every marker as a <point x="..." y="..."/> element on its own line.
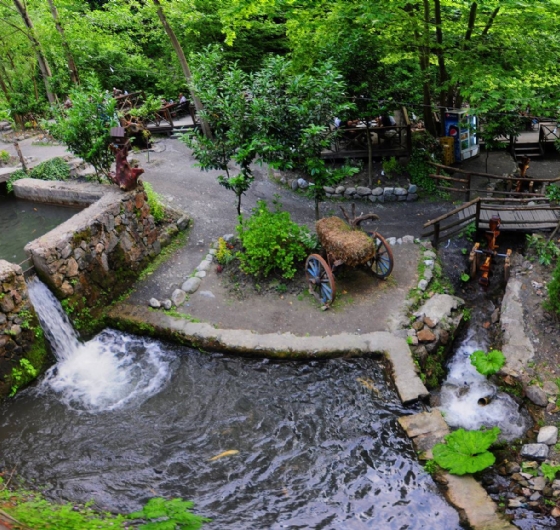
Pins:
<point x="125" y="176"/>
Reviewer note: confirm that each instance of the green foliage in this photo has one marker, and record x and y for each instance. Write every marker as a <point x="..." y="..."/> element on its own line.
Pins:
<point x="466" y="451"/>
<point x="157" y="209"/>
<point x="552" y="302"/>
<point x="22" y="375"/>
<point x="391" y="167"/>
<point x="54" y="169"/>
<point x="553" y="193"/>
<point x="549" y="471"/>
<point x="85" y="127"/>
<point x="224" y="255"/>
<point x="170" y="514"/>
<point x="469" y="232"/>
<point x="487" y="363"/>
<point x="419" y="170"/>
<point x="465" y="277"/>
<point x="271" y="240"/>
<point x="431" y="467"/>
<point x="547" y="251"/>
<point x="4" y="156"/>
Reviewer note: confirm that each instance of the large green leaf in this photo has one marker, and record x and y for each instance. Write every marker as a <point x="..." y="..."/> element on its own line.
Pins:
<point x="487" y="363"/>
<point x="466" y="451"/>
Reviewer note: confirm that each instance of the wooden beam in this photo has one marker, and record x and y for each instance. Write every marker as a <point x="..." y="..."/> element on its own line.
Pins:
<point x="452" y="212"/>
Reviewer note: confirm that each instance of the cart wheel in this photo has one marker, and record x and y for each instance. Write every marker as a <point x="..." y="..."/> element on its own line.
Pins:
<point x="320" y="279"/>
<point x="382" y="263"/>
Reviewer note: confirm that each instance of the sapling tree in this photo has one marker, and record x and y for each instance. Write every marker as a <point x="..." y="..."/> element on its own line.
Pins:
<point x="85" y="126"/>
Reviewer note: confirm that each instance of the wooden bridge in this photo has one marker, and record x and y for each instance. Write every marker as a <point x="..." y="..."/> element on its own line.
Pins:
<point x="515" y="215"/>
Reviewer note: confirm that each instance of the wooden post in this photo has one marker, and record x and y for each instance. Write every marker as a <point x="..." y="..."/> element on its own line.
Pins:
<point x="436" y="235"/>
<point x="477" y="218"/>
<point x="21" y="159"/>
<point x="468" y="190"/>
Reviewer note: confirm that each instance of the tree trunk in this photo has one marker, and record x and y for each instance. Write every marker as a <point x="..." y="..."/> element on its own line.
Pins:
<point x="490" y="21"/>
<point x="369" y="156"/>
<point x="445" y="93"/>
<point x="184" y="65"/>
<point x="41" y="59"/>
<point x="69" y="57"/>
<point x="3" y="84"/>
<point x="429" y="121"/>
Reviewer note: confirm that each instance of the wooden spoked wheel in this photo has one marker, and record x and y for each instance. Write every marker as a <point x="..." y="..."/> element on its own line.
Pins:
<point x="381" y="264"/>
<point x="320" y="279"/>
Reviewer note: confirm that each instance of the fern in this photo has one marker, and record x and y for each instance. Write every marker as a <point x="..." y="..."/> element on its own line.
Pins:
<point x="550" y="471"/>
<point x="171" y="514"/>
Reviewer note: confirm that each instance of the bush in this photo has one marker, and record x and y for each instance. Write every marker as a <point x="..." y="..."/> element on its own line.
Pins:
<point x="157" y="209"/>
<point x="553" y="302"/>
<point x="4" y="156"/>
<point x="547" y="251"/>
<point x="391" y="167"/>
<point x="54" y="169"/>
<point x="271" y="240"/>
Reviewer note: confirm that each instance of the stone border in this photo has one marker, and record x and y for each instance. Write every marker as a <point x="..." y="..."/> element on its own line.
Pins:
<point x="278" y="345"/>
<point x="378" y="194"/>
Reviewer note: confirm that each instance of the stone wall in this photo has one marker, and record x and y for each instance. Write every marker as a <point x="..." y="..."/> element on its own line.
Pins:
<point x="17" y="323"/>
<point x="97" y="254"/>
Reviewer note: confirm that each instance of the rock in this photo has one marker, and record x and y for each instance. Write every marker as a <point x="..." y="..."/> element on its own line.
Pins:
<point x="412" y="188"/>
<point x="438" y="307"/>
<point x="418" y="325"/>
<point x="426" y="335"/>
<point x="548" y="435"/>
<point x="329" y="189"/>
<point x="550" y="388"/>
<point x="516" y="503"/>
<point x="412" y="197"/>
<point x="556" y="484"/>
<point x="204" y="266"/>
<point x="303" y="184"/>
<point x="392" y="241"/>
<point x="535" y="497"/>
<point x="408" y="239"/>
<point x="209" y="257"/>
<point x="3" y="319"/>
<point x="178" y="297"/>
<point x="213" y="251"/>
<point x="429" y="322"/>
<point x="555" y="512"/>
<point x="512" y="467"/>
<point x="228" y="238"/>
<point x="372" y="198"/>
<point x="423" y="285"/>
<point x="7" y="303"/>
<point x="191" y="285"/>
<point x="430" y="254"/>
<point x="363" y="191"/>
<point x="535" y="451"/>
<point x="388" y="191"/>
<point x="537" y="395"/>
<point x="429" y="263"/>
<point x="294" y="185"/>
<point x="67" y="289"/>
<point x="340" y="190"/>
<point x="537" y="484"/>
<point x="200" y="274"/>
<point x="154" y="302"/>
<point x="350" y="192"/>
<point x="167" y="304"/>
<point x="400" y="191"/>
<point x="428" y="275"/>
<point x="183" y="222"/>
<point x="207" y="294"/>
<point x="376" y="191"/>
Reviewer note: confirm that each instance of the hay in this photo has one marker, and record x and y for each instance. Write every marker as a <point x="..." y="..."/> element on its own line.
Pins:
<point x="353" y="247"/>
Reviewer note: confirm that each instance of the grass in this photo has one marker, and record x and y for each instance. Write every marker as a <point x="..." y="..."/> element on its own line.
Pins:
<point x="178" y="242"/>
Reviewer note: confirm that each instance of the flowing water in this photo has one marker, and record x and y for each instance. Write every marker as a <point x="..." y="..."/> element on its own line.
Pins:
<point x="23" y="221"/>
<point x="309" y="445"/>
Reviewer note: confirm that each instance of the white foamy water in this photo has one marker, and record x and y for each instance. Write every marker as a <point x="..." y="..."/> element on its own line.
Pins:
<point x="464" y="387"/>
<point x="109" y="371"/>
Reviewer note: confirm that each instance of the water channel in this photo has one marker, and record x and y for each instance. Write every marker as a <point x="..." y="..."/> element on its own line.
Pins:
<point x="22" y="221"/>
<point x="120" y="419"/>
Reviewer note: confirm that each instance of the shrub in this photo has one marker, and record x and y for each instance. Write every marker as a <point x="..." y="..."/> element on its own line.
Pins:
<point x="553" y="301"/>
<point x="391" y="167"/>
<point x="466" y="451"/>
<point x="271" y="240"/>
<point x="157" y="209"/>
<point x="54" y="169"/>
<point x="546" y="251"/>
<point x="4" y="156"/>
<point x="223" y="255"/>
<point x="487" y="363"/>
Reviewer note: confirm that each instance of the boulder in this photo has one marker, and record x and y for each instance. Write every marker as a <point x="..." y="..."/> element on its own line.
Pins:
<point x="154" y="302"/>
<point x="548" y="435"/>
<point x="535" y="451"/>
<point x="537" y="395"/>
<point x="191" y="285"/>
<point x="178" y="297"/>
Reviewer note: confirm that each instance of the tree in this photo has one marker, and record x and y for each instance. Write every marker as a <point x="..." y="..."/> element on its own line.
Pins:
<point x="85" y="127"/>
<point x="69" y="57"/>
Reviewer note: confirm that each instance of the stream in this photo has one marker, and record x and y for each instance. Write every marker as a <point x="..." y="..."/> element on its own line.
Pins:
<point x="256" y="444"/>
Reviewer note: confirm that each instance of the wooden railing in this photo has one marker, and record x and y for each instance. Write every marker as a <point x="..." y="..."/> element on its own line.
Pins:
<point x="467" y="180"/>
<point x="548" y="133"/>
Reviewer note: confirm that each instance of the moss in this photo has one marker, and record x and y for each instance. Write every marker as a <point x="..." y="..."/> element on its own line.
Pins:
<point x="78" y="237"/>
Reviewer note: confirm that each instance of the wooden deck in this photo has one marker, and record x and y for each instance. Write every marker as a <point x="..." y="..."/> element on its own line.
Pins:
<point x="521" y="219"/>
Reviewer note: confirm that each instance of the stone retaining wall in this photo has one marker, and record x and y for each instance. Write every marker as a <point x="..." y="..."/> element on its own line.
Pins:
<point x="17" y="322"/>
<point x="96" y="255"/>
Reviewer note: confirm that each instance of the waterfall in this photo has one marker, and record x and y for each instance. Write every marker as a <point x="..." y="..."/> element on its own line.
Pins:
<point x="463" y="390"/>
<point x="110" y="371"/>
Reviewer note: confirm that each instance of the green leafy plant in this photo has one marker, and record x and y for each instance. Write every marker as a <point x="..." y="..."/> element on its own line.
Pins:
<point x="465" y="277"/>
<point x="271" y="240"/>
<point x="547" y="251"/>
<point x="466" y="451"/>
<point x="469" y="232"/>
<point x="169" y="515"/>
<point x="224" y="255"/>
<point x="431" y="467"/>
<point x="22" y="375"/>
<point x="552" y="303"/>
<point x="549" y="471"/>
<point x="487" y="363"/>
<point x="157" y="209"/>
<point x="4" y="156"/>
<point x="391" y="167"/>
<point x="553" y="193"/>
<point x="54" y="169"/>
